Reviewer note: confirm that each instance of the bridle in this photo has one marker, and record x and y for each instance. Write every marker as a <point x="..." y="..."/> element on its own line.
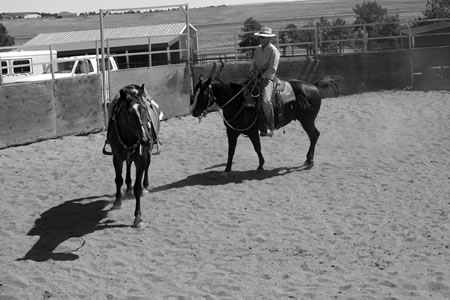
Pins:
<point x="130" y="149"/>
<point x="213" y="100"/>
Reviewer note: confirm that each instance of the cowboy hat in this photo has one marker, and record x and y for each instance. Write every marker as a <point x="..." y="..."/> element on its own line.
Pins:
<point x="265" y="32"/>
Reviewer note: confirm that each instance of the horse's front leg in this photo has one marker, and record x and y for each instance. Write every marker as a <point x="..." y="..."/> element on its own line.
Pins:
<point x="232" y="142"/>
<point x="128" y="177"/>
<point x="137" y="189"/>
<point x="256" y="141"/>
<point x="118" y="165"/>
<point x="146" y="183"/>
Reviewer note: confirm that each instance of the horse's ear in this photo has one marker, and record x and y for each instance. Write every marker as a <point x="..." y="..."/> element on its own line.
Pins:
<point x="213" y="69"/>
<point x="143" y="91"/>
<point x="122" y="94"/>
<point x="218" y="72"/>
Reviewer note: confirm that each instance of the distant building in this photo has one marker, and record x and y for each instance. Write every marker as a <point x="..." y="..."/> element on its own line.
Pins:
<point x="32" y="16"/>
<point x="66" y="14"/>
<point x="125" y="43"/>
<point x="6" y="17"/>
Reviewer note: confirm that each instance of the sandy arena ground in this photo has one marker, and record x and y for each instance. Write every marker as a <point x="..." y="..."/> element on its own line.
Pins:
<point x="369" y="221"/>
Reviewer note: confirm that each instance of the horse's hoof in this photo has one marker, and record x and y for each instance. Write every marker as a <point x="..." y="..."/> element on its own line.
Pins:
<point x="260" y="168"/>
<point x="308" y="164"/>
<point x="138" y="223"/>
<point x="224" y="174"/>
<point x="116" y="206"/>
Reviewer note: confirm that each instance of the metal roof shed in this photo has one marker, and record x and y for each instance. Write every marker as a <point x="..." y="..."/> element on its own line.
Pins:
<point x="431" y="35"/>
<point x="123" y="42"/>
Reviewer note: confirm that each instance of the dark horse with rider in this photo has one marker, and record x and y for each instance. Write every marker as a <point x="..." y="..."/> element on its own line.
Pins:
<point x="263" y="102"/>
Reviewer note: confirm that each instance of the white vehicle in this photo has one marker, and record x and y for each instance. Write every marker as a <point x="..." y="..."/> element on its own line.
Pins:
<point x="73" y="66"/>
<point x="16" y="65"/>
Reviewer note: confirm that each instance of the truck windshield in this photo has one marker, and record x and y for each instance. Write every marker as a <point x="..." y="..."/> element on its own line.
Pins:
<point x="65" y="67"/>
<point x="22" y="66"/>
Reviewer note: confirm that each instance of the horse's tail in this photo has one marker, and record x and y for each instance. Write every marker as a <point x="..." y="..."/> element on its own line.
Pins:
<point x="329" y="86"/>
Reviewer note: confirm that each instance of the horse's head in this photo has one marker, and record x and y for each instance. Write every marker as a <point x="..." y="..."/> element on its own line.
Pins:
<point x="133" y="97"/>
<point x="131" y="113"/>
<point x="203" y="98"/>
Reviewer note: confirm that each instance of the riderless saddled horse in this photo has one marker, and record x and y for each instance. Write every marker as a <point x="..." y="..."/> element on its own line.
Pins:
<point x="132" y="131"/>
<point x="292" y="100"/>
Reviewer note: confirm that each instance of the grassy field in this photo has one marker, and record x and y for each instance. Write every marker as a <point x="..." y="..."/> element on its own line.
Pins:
<point x="217" y="25"/>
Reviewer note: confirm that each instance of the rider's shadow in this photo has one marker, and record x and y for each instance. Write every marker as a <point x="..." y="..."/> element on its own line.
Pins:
<point x="212" y="177"/>
<point x="61" y="228"/>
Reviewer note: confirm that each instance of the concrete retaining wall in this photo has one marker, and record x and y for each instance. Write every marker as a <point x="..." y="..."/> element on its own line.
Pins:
<point x="43" y="110"/>
<point x="168" y="85"/>
<point x="35" y="111"/>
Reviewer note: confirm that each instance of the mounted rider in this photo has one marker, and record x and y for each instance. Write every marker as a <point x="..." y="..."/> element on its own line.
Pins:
<point x="264" y="67"/>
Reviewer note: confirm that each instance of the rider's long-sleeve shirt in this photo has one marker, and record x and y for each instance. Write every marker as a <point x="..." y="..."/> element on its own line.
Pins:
<point x="265" y="61"/>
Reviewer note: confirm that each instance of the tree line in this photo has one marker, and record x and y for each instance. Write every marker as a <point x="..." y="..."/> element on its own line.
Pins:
<point x="369" y="12"/>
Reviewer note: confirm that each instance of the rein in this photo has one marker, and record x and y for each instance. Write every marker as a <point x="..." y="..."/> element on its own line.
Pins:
<point x="228" y="122"/>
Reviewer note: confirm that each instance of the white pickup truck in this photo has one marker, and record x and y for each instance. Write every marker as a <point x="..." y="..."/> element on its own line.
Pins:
<point x="72" y="66"/>
<point x="17" y="64"/>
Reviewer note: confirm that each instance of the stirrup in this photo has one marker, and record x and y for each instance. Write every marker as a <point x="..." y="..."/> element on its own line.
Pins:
<point x="158" y="148"/>
<point x="106" y="152"/>
<point x="266" y="132"/>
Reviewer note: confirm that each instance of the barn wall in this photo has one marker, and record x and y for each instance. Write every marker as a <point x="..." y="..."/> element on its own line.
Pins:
<point x="426" y="57"/>
<point x="441" y="39"/>
<point x="362" y="72"/>
<point x="368" y="71"/>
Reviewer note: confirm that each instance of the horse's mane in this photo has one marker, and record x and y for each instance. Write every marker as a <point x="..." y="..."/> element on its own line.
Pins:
<point x="233" y="88"/>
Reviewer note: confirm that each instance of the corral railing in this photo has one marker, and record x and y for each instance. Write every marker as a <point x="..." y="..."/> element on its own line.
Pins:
<point x="313" y="41"/>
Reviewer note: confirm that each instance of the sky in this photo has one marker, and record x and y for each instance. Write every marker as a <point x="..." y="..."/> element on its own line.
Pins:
<point x="56" y="6"/>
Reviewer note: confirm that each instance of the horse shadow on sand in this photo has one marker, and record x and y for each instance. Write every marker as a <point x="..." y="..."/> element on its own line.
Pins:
<point x="61" y="228"/>
<point x="213" y="177"/>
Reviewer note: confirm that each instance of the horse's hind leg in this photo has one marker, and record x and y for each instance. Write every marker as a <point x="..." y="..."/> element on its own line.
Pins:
<point x="118" y="165"/>
<point x="232" y="142"/>
<point x="254" y="137"/>
<point x="313" y="134"/>
<point x="146" y="183"/>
